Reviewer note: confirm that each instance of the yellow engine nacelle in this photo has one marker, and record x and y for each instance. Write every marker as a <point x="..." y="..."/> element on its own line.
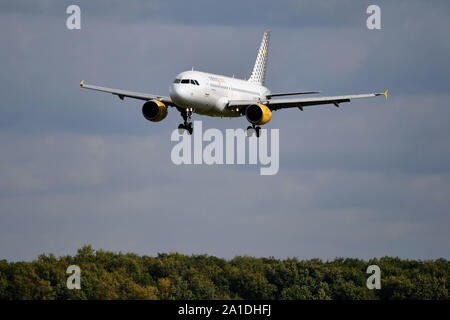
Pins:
<point x="258" y="114"/>
<point x="154" y="110"/>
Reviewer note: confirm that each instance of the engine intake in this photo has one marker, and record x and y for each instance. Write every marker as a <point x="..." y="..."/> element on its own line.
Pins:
<point x="258" y="114"/>
<point x="154" y="110"/>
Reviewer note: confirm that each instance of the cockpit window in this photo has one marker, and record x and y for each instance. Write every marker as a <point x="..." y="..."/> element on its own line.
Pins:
<point x="191" y="81"/>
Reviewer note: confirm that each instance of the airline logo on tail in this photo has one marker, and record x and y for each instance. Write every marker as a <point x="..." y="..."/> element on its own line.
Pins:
<point x="259" y="70"/>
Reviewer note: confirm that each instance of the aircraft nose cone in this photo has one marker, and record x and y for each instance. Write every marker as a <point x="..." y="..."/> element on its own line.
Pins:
<point x="176" y="93"/>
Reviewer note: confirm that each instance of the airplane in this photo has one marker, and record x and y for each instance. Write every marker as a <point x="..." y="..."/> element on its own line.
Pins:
<point x="221" y="96"/>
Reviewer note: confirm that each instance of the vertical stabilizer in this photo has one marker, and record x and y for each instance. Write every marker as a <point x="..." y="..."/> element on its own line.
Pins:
<point x="259" y="70"/>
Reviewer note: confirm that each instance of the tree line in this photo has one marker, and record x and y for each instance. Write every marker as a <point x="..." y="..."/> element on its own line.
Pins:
<point x="109" y="275"/>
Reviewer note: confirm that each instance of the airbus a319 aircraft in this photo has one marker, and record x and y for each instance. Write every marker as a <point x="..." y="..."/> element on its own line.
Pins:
<point x="220" y="96"/>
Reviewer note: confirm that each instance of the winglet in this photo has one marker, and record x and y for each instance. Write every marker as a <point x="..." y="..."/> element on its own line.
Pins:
<point x="81" y="83"/>
<point x="386" y="94"/>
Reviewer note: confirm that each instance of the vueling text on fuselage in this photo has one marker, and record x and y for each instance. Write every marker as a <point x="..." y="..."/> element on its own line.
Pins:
<point x="213" y="152"/>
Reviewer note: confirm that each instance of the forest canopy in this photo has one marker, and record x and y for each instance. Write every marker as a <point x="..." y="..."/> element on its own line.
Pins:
<point x="110" y="275"/>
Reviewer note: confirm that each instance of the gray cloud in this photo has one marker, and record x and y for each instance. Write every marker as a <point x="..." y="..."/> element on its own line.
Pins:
<point x="118" y="192"/>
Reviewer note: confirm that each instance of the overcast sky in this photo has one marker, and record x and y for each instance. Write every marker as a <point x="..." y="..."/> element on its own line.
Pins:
<point x="371" y="178"/>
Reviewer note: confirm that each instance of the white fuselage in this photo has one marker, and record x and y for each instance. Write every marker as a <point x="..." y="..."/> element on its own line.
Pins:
<point x="208" y="94"/>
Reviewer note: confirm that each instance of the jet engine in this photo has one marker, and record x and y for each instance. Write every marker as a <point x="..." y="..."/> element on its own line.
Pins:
<point x="154" y="110"/>
<point x="258" y="114"/>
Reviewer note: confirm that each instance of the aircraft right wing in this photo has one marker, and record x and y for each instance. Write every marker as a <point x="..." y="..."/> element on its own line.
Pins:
<point x="276" y="104"/>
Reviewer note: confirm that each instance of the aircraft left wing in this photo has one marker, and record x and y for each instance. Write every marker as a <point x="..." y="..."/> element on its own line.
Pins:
<point x="276" y="104"/>
<point x="129" y="94"/>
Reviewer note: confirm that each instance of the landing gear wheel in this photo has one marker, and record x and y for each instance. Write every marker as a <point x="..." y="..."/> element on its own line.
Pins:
<point x="258" y="131"/>
<point x="252" y="129"/>
<point x="190" y="128"/>
<point x="187" y="125"/>
<point x="181" y="128"/>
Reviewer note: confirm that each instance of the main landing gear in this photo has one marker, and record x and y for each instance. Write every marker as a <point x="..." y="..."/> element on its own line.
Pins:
<point x="252" y="129"/>
<point x="187" y="125"/>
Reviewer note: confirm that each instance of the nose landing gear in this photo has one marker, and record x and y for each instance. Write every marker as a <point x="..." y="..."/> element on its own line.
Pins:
<point x="187" y="125"/>
<point x="252" y="129"/>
